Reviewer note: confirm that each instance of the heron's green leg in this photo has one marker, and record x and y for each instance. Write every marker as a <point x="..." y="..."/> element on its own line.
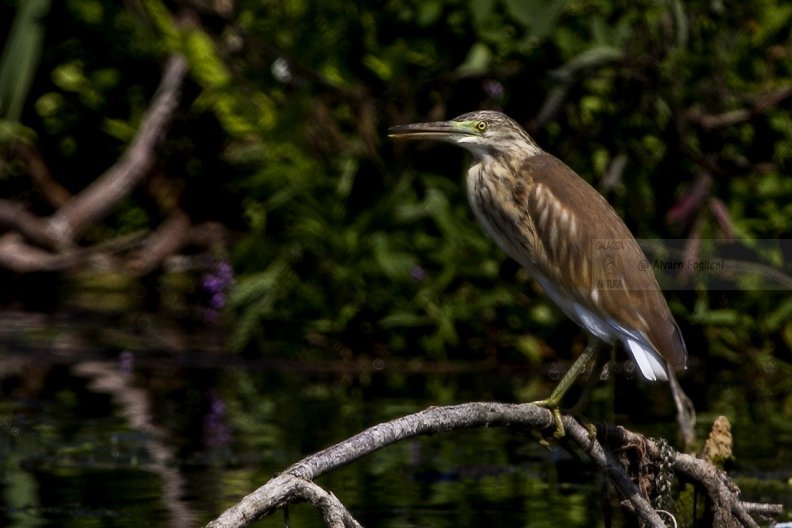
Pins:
<point x="554" y="401"/>
<point x="585" y="397"/>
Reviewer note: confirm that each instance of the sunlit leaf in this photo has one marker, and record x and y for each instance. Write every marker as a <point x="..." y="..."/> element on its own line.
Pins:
<point x="477" y="61"/>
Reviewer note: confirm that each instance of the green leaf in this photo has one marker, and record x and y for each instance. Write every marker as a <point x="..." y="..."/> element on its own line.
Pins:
<point x="477" y="61"/>
<point x="21" y="55"/>
<point x="119" y="129"/>
<point x="591" y="58"/>
<point x="395" y="264"/>
<point x="403" y="320"/>
<point x="539" y="16"/>
<point x="206" y="65"/>
<point x="778" y="317"/>
<point x="481" y="10"/>
<point x="380" y="67"/>
<point x="717" y="317"/>
<point x="429" y="12"/>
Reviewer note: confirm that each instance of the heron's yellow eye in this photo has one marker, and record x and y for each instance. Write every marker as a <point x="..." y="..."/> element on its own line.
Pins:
<point x="481" y="126"/>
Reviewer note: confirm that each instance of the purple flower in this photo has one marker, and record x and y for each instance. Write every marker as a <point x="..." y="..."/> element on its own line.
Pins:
<point x="225" y="271"/>
<point x="211" y="283"/>
<point x="417" y="274"/>
<point x="493" y="88"/>
<point x="126" y="361"/>
<point x="215" y="430"/>
<point x="218" y="300"/>
<point x="216" y="283"/>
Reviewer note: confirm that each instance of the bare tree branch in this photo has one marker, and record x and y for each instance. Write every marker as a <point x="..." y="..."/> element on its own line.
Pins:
<point x="170" y="237"/>
<point x="209" y="235"/>
<point x="16" y="217"/>
<point x="615" y="473"/>
<point x="102" y="196"/>
<point x="333" y="511"/>
<point x="52" y="191"/>
<point x="48" y="244"/>
<point x="273" y="495"/>
<point x="290" y="486"/>
<point x="710" y="121"/>
<point x="17" y="255"/>
<point x="760" y="104"/>
<point x="728" y="509"/>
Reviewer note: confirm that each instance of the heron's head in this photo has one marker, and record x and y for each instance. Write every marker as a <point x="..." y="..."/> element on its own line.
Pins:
<point x="484" y="133"/>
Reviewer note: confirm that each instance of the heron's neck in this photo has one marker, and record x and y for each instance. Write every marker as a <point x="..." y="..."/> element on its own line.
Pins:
<point x="500" y="166"/>
<point x="491" y="186"/>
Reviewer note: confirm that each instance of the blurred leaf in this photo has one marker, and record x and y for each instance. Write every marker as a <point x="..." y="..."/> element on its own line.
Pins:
<point x="428" y="12"/>
<point x="404" y="319"/>
<point x="481" y="10"/>
<point x="119" y="129"/>
<point x="90" y="11"/>
<point x="590" y="58"/>
<point x="717" y="317"/>
<point x="69" y="76"/>
<point x="778" y="317"/>
<point x="20" y="58"/>
<point x="531" y="347"/>
<point x="379" y="67"/>
<point x="477" y="61"/>
<point x="206" y="65"/>
<point x="395" y="264"/>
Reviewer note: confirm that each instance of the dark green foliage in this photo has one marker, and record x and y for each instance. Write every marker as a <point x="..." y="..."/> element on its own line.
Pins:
<point x="678" y="111"/>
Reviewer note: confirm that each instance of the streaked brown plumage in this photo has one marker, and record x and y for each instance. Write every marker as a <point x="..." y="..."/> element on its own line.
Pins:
<point x="550" y="220"/>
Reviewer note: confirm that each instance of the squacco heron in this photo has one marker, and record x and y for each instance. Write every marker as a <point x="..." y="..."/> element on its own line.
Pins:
<point x="568" y="238"/>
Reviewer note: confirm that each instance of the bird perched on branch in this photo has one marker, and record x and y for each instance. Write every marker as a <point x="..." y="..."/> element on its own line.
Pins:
<point x="568" y="238"/>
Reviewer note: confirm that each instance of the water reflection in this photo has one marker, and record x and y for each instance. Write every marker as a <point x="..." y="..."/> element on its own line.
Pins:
<point x="128" y="437"/>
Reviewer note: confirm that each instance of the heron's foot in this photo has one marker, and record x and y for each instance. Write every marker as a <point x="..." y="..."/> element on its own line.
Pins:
<point x="552" y="406"/>
<point x="560" y="432"/>
<point x="540" y="439"/>
<point x="577" y="414"/>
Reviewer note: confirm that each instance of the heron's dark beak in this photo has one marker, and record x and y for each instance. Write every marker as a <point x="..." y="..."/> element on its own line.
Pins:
<point x="436" y="130"/>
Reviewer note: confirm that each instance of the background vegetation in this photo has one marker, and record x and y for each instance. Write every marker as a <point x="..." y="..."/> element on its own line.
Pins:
<point x="678" y="112"/>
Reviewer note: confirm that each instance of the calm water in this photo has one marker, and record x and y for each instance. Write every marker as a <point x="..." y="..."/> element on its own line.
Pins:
<point x="112" y="436"/>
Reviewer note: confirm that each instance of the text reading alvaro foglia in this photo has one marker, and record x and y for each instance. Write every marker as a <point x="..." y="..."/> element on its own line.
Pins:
<point x="609" y="263"/>
<point x="672" y="265"/>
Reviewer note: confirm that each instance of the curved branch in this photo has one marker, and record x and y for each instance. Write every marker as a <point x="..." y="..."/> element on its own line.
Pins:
<point x="614" y="471"/>
<point x="52" y="191"/>
<point x="333" y="511"/>
<point x="430" y="421"/>
<point x="16" y="217"/>
<point x="101" y="196"/>
<point x="170" y="237"/>
<point x="21" y="257"/>
<point x="273" y="495"/>
<point x="760" y="104"/>
<point x="48" y="244"/>
<point x="719" y="488"/>
<point x="295" y="484"/>
<point x="277" y="493"/>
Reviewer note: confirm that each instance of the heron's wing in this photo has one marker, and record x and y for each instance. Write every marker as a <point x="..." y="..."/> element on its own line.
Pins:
<point x="580" y="242"/>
